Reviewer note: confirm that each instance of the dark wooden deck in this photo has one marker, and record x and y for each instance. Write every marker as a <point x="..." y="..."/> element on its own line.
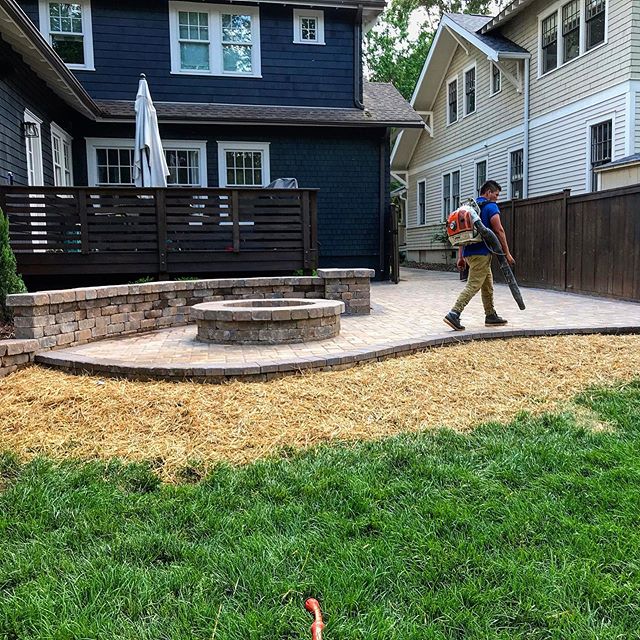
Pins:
<point x="161" y="232"/>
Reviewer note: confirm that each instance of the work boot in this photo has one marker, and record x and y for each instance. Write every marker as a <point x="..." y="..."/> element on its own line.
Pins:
<point x="453" y="320"/>
<point x="494" y="320"/>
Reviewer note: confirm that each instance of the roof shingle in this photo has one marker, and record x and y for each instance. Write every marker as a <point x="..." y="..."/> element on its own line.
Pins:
<point x="384" y="106"/>
<point x="473" y="24"/>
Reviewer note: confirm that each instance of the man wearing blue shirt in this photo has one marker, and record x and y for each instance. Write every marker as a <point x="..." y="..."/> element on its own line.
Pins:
<point x="478" y="257"/>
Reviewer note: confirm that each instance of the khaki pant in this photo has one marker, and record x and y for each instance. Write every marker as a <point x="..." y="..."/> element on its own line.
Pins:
<point x="480" y="279"/>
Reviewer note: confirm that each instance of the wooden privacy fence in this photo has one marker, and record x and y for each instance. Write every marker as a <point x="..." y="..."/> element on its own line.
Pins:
<point x="62" y="230"/>
<point x="585" y="244"/>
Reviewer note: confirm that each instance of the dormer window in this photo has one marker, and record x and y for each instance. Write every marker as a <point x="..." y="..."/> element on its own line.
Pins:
<point x="217" y="40"/>
<point x="308" y="26"/>
<point x="67" y="27"/>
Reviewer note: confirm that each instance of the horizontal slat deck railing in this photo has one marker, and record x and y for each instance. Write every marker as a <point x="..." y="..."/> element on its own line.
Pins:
<point x="58" y="230"/>
<point x="586" y="243"/>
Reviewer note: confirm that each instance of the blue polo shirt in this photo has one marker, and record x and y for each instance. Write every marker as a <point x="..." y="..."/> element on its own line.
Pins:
<point x="487" y="211"/>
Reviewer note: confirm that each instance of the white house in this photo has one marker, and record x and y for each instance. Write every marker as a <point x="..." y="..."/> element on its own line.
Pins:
<point x="538" y="97"/>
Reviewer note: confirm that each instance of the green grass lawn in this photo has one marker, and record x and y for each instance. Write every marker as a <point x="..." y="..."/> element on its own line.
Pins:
<point x="530" y="530"/>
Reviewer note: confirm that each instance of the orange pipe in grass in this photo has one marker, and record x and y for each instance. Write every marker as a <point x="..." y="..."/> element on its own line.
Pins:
<point x="313" y="606"/>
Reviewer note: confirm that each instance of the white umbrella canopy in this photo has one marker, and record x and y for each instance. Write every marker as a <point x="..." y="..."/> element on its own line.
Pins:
<point x="149" y="163"/>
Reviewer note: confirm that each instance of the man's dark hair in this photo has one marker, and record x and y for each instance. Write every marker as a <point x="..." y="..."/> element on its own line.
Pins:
<point x="490" y="185"/>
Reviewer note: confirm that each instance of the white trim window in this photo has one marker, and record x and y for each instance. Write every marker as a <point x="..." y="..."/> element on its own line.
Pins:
<point x="595" y="20"/>
<point x="308" y="26"/>
<point x="67" y="27"/>
<point x="569" y="30"/>
<point x="516" y="173"/>
<point x="481" y="171"/>
<point x="452" y="101"/>
<point x="33" y="149"/>
<point x="470" y="90"/>
<point x="243" y="164"/>
<point x="601" y="144"/>
<point x="495" y="79"/>
<point x="422" y="202"/>
<point x="549" y="42"/>
<point x="450" y="193"/>
<point x="217" y="40"/>
<point x="61" y="156"/>
<point x="110" y="162"/>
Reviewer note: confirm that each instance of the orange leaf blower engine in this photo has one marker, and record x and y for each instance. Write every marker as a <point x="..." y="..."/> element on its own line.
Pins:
<point x="461" y="229"/>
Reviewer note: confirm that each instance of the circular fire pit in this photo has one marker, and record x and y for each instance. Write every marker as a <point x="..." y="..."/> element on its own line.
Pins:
<point x="270" y="321"/>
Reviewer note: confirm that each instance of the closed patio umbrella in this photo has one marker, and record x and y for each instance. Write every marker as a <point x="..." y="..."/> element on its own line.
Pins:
<point x="149" y="163"/>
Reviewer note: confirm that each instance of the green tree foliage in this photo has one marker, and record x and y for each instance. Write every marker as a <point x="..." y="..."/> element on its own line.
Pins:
<point x="10" y="281"/>
<point x="390" y="54"/>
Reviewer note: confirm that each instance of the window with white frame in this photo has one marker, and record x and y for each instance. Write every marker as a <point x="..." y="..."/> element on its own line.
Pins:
<point x="61" y="156"/>
<point x="450" y="193"/>
<point x="570" y="30"/>
<point x="308" y="26"/>
<point x="469" y="91"/>
<point x="422" y="202"/>
<point x="481" y="175"/>
<point x="601" y="148"/>
<point x="496" y="79"/>
<point x="516" y="173"/>
<point x="452" y="101"/>
<point x="243" y="164"/>
<point x="595" y="22"/>
<point x="67" y="27"/>
<point x="550" y="43"/>
<point x="33" y="148"/>
<point x="110" y="162"/>
<point x="209" y="39"/>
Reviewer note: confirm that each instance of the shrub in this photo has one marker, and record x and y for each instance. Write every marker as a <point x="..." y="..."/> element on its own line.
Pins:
<point x="10" y="281"/>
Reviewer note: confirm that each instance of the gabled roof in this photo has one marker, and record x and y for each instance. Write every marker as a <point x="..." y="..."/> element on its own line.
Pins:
<point x="384" y="107"/>
<point x="474" y="24"/>
<point x="454" y="29"/>
<point x="17" y="30"/>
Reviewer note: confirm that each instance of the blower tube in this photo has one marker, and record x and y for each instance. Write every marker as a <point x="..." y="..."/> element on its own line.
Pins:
<point x="495" y="247"/>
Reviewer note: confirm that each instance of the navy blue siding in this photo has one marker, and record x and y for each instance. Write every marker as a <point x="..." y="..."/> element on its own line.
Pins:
<point x="20" y="88"/>
<point x="132" y="37"/>
<point x="344" y="164"/>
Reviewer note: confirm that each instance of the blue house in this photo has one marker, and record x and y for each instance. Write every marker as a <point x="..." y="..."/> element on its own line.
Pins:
<point x="246" y="92"/>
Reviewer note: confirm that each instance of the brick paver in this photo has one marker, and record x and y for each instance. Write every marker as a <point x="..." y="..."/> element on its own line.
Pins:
<point x="406" y="317"/>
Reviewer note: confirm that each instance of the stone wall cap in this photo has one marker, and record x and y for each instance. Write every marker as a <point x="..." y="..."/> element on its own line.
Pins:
<point x="17" y="346"/>
<point x="346" y="273"/>
<point x="27" y="299"/>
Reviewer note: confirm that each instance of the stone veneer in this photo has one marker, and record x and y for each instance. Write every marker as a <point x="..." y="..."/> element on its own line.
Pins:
<point x="15" y="354"/>
<point x="51" y="319"/>
<point x="280" y="321"/>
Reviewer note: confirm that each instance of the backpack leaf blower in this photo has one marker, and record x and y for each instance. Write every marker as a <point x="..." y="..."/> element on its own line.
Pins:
<point x="464" y="226"/>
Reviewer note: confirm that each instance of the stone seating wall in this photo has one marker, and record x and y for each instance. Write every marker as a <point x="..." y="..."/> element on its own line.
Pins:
<point x="56" y="319"/>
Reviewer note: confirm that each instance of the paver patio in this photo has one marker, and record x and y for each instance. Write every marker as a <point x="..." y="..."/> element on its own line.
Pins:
<point x="405" y="318"/>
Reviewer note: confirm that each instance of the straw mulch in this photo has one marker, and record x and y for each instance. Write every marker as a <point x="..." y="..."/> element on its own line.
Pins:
<point x="179" y="424"/>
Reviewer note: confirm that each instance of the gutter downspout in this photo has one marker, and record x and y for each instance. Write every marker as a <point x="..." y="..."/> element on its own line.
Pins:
<point x="357" y="59"/>
<point x="525" y="146"/>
